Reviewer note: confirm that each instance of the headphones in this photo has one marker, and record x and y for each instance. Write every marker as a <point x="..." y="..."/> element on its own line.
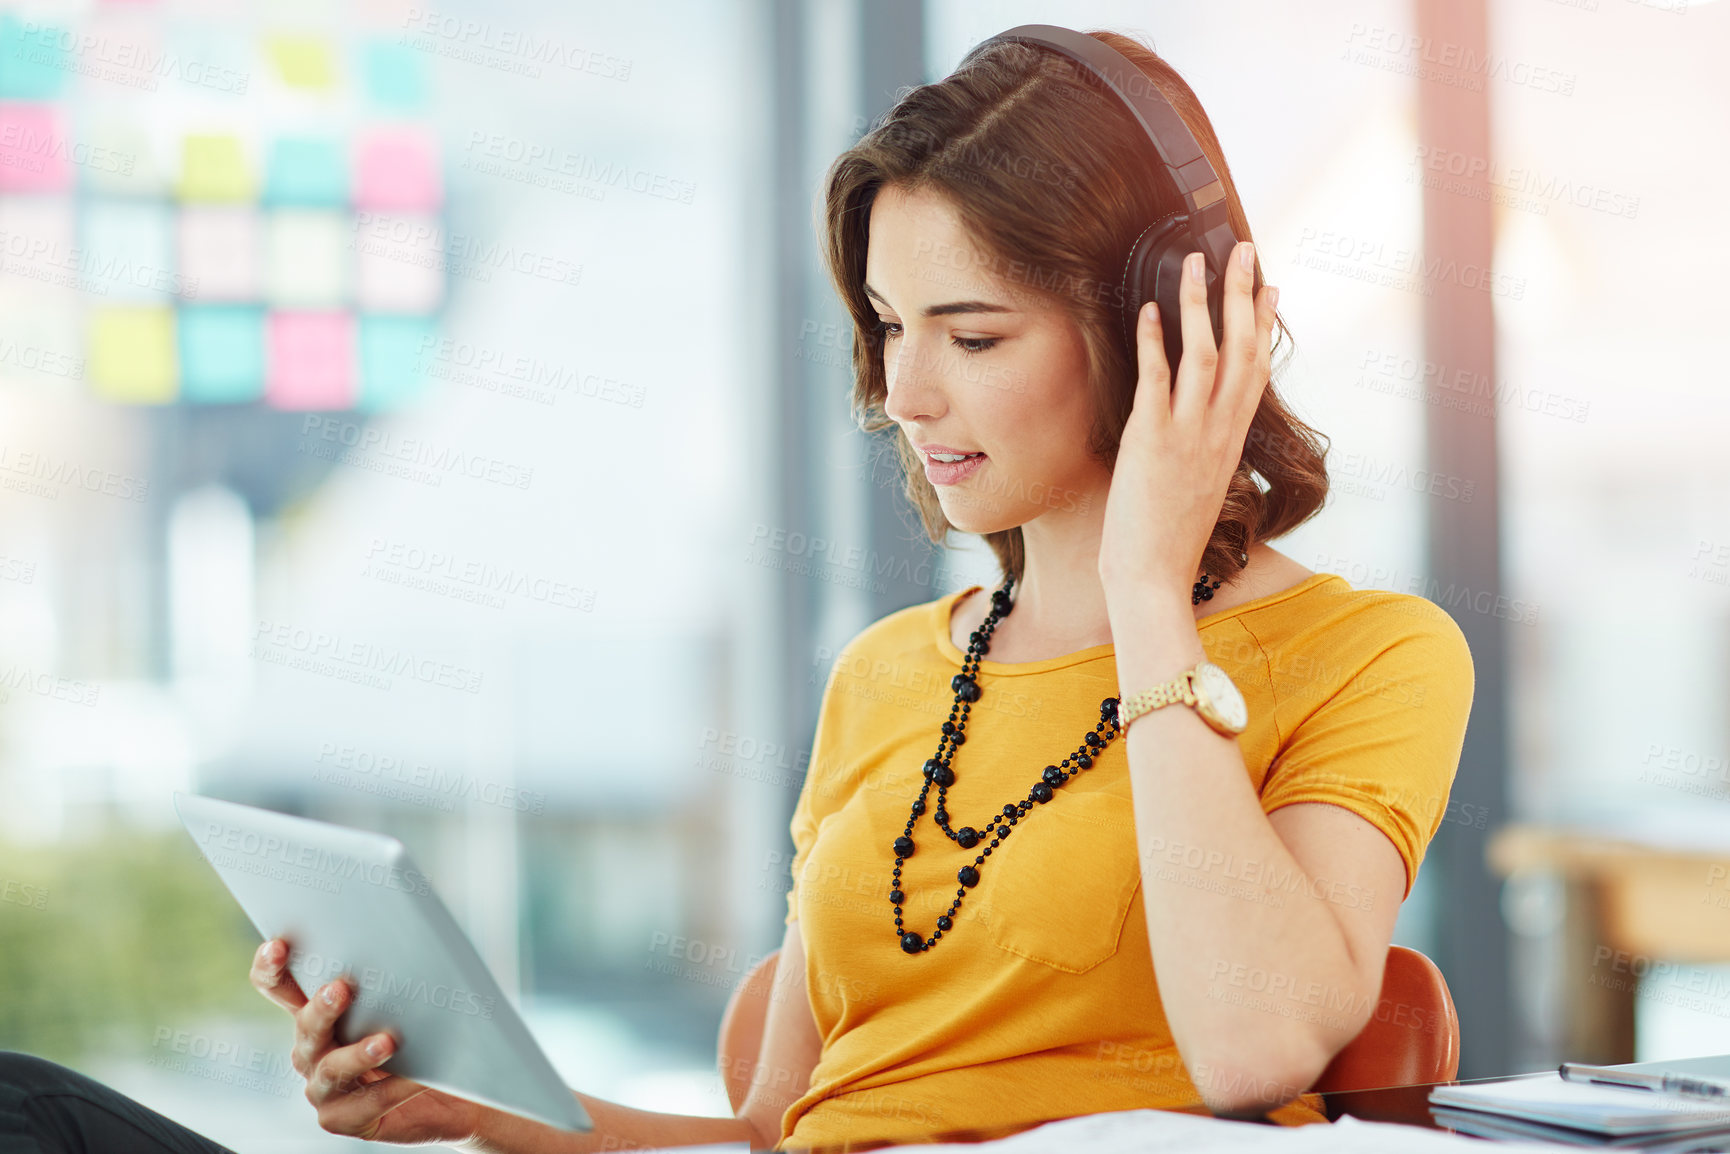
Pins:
<point x="1154" y="267"/>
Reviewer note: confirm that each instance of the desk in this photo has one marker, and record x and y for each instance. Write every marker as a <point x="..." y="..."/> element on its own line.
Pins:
<point x="1408" y="1105"/>
<point x="1627" y="905"/>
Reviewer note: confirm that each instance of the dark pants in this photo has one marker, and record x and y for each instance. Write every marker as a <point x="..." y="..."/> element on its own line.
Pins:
<point x="46" y="1108"/>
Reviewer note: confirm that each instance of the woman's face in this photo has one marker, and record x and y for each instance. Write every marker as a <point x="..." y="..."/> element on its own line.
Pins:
<point x="976" y="364"/>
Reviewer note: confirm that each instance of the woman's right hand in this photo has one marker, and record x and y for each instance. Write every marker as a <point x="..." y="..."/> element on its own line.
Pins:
<point x="343" y="1083"/>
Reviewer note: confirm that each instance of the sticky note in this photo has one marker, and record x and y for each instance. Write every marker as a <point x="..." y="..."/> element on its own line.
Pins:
<point x="306" y="257"/>
<point x="310" y="358"/>
<point x="395" y="74"/>
<point x="210" y="53"/>
<point x="393" y="360"/>
<point x="39" y="246"/>
<point x="220" y="251"/>
<point x="33" y="64"/>
<point x="33" y="148"/>
<point x="132" y="357"/>
<point x="42" y="329"/>
<point x="302" y="61"/>
<point x="126" y="251"/>
<point x="398" y="266"/>
<point x="397" y="168"/>
<point x="221" y="353"/>
<point x="118" y="156"/>
<point x="214" y="168"/>
<point x="309" y="172"/>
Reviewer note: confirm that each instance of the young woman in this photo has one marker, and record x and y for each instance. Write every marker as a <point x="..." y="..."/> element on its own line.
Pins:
<point x="1023" y="889"/>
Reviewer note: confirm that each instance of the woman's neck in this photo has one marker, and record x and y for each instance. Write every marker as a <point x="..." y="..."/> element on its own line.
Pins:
<point x="1062" y="610"/>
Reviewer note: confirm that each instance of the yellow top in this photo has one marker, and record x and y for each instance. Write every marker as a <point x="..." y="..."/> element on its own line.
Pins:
<point x="1041" y="1002"/>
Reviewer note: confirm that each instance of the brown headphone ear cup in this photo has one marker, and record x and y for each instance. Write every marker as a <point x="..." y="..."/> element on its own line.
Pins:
<point x="1154" y="271"/>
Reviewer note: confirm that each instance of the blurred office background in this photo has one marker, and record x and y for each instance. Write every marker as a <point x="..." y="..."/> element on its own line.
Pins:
<point x="434" y="420"/>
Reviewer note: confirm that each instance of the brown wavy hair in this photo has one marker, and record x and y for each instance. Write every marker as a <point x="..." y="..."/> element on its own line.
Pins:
<point x="1053" y="181"/>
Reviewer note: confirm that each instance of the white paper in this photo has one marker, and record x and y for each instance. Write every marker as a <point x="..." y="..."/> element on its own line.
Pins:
<point x="1163" y="1131"/>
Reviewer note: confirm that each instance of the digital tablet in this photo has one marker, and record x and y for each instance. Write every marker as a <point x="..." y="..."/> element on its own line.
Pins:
<point x="351" y="902"/>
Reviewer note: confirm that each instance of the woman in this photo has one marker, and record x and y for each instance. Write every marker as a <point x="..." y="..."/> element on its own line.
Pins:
<point x="1194" y="909"/>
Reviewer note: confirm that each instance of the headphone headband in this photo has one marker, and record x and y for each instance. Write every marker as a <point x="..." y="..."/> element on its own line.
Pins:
<point x="1187" y="166"/>
<point x="1154" y="266"/>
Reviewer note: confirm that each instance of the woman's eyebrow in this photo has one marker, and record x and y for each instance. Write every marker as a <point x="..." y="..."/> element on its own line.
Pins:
<point x="950" y="309"/>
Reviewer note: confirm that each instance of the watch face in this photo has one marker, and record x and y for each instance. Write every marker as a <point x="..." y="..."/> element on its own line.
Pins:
<point x="1215" y="686"/>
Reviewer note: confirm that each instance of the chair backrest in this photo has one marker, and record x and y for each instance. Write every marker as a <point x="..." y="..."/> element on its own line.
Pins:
<point x="1412" y="1037"/>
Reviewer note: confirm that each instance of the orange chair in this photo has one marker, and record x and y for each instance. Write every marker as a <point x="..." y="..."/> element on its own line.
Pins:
<point x="1412" y="1038"/>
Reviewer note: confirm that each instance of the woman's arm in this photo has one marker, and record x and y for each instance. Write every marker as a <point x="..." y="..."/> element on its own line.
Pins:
<point x="616" y="1128"/>
<point x="1269" y="933"/>
<point x="1263" y="981"/>
<point x="782" y="1073"/>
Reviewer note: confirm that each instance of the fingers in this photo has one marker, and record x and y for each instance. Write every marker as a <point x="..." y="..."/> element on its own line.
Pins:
<point x="1239" y="338"/>
<point x="1246" y="320"/>
<point x="1198" y="365"/>
<point x="271" y="978"/>
<point x="1257" y="381"/>
<point x="313" y="1024"/>
<point x="1248" y="336"/>
<point x="1153" y="380"/>
<point x="342" y="1070"/>
<point x="1241" y="374"/>
<point x="352" y="1096"/>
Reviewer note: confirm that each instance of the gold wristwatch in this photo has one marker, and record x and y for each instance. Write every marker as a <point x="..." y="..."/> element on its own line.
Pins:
<point x="1207" y="688"/>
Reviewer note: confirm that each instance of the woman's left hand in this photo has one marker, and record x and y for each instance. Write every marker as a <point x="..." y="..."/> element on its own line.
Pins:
<point x="1181" y="446"/>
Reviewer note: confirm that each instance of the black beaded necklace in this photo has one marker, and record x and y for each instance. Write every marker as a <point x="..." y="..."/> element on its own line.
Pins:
<point x="938" y="770"/>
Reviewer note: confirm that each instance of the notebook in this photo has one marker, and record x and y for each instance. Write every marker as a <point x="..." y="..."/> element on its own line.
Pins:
<point x="1504" y="1128"/>
<point x="1611" y="1111"/>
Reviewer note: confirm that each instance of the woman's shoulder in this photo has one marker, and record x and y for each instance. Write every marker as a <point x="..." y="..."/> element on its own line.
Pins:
<point x="1331" y="618"/>
<point x="900" y="633"/>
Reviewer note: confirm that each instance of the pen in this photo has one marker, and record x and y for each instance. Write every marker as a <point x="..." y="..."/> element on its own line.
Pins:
<point x="1638" y="1080"/>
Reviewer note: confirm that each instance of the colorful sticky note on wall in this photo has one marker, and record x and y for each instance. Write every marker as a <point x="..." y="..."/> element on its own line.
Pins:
<point x="397" y="168"/>
<point x="306" y="257"/>
<point x="39" y="251"/>
<point x="132" y="356"/>
<point x="302" y="61"/>
<point x="118" y="154"/>
<point x="308" y="172"/>
<point x="311" y="360"/>
<point x="33" y="65"/>
<point x="394" y="354"/>
<point x="219" y="251"/>
<point x="221" y="353"/>
<point x="33" y="148"/>
<point x="127" y="251"/>
<point x="209" y="54"/>
<point x="42" y="336"/>
<point x="214" y="168"/>
<point x="398" y="264"/>
<point x="395" y="74"/>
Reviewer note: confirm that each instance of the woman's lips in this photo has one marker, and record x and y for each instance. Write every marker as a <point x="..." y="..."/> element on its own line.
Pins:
<point x="951" y="472"/>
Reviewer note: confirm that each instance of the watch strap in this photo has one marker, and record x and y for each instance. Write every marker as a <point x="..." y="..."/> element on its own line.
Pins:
<point x="1172" y="692"/>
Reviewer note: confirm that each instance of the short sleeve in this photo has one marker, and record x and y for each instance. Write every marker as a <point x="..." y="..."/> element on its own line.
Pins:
<point x="817" y="787"/>
<point x="804" y="830"/>
<point x="1386" y="744"/>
